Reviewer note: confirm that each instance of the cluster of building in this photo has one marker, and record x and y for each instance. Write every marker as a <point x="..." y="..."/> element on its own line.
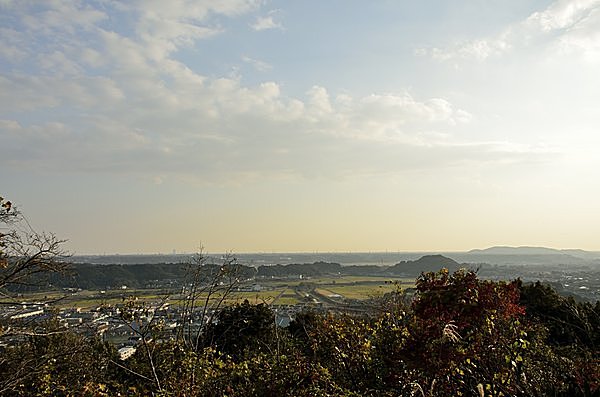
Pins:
<point x="125" y="325"/>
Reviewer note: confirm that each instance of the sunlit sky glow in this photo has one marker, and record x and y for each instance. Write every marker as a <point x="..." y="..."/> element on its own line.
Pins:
<point x="152" y="126"/>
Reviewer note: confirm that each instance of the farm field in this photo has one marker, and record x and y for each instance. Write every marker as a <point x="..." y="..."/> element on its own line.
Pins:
<point x="276" y="292"/>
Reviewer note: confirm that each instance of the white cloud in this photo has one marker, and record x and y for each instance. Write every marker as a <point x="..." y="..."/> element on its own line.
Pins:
<point x="57" y="62"/>
<point x="9" y="126"/>
<point x="119" y="103"/>
<point x="477" y="49"/>
<point x="567" y="25"/>
<point x="20" y="93"/>
<point x="165" y="26"/>
<point x="267" y="22"/>
<point x="10" y="46"/>
<point x="318" y="99"/>
<point x="62" y="16"/>
<point x="259" y="65"/>
<point x="462" y="116"/>
<point x="584" y="37"/>
<point x="563" y="14"/>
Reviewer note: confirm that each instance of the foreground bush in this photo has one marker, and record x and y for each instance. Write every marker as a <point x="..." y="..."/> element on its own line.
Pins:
<point x="459" y="336"/>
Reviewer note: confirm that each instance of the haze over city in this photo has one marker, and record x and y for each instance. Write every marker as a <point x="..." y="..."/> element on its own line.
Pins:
<point x="253" y="126"/>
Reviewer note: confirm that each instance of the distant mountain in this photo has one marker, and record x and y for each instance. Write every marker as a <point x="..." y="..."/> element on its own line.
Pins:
<point x="578" y="253"/>
<point x="503" y="250"/>
<point x="427" y="263"/>
<point x="529" y="256"/>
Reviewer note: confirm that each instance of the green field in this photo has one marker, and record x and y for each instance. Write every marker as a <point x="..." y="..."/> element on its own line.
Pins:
<point x="277" y="292"/>
<point x="361" y="291"/>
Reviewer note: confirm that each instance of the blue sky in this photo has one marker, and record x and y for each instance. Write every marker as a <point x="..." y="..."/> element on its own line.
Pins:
<point x="148" y="126"/>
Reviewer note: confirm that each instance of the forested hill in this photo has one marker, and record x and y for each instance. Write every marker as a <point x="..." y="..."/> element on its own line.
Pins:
<point x="93" y="276"/>
<point x="427" y="263"/>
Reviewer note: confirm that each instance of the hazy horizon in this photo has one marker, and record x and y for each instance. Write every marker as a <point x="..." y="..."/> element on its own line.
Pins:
<point x="386" y="252"/>
<point x="260" y="126"/>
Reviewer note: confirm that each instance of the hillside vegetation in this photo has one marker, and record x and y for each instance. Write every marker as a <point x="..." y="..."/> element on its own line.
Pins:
<point x="459" y="335"/>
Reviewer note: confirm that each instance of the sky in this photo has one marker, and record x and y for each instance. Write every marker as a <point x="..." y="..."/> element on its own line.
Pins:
<point x="276" y="126"/>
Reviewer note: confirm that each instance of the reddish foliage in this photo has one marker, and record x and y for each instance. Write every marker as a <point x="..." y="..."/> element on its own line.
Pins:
<point x="463" y="300"/>
<point x="459" y="317"/>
